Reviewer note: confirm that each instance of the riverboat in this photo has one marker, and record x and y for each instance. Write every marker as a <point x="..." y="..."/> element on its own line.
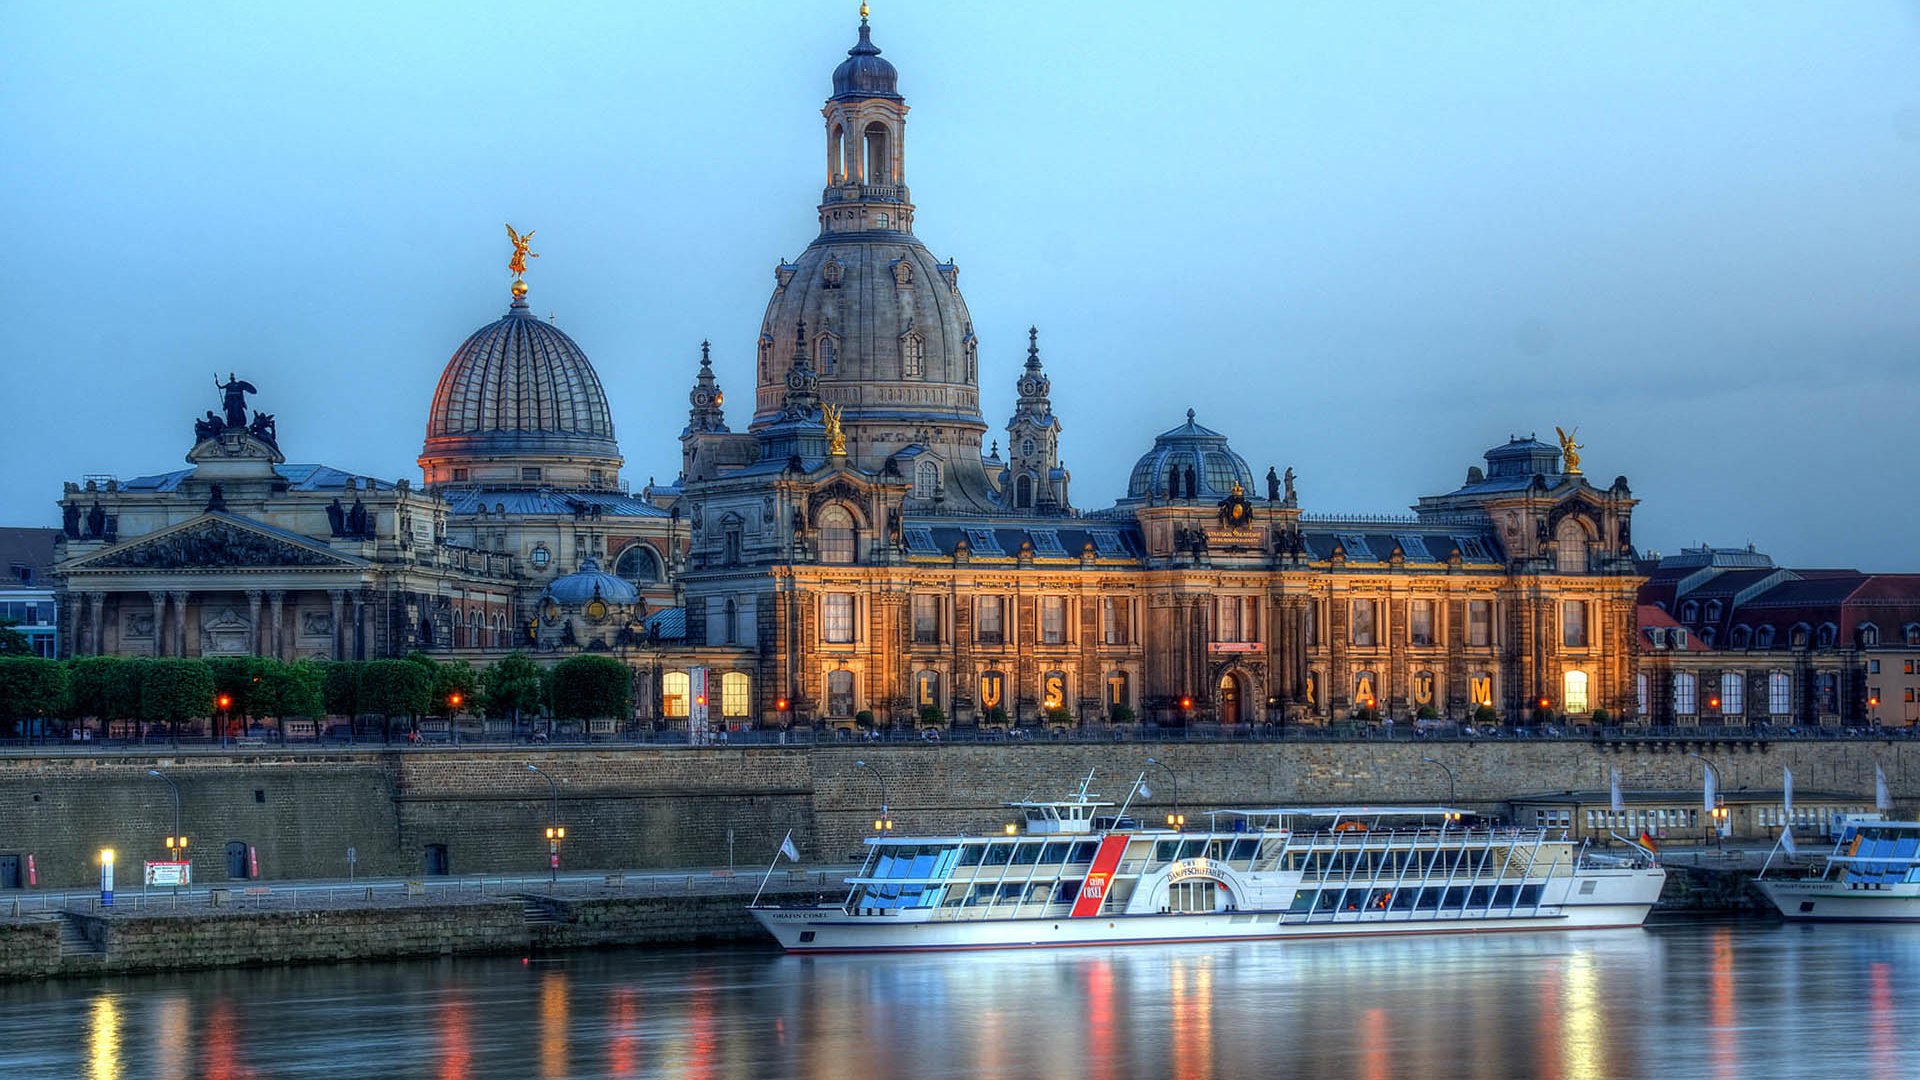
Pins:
<point x="1872" y="874"/>
<point x="1080" y="872"/>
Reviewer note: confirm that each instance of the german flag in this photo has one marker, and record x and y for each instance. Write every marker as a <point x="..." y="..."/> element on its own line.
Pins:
<point x="1646" y="841"/>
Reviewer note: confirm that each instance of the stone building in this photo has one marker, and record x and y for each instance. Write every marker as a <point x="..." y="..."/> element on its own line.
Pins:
<point x="855" y="549"/>
<point x="1729" y="638"/>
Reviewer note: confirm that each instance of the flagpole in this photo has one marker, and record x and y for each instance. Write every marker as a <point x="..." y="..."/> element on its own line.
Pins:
<point x="755" y="902"/>
<point x="1770" y="854"/>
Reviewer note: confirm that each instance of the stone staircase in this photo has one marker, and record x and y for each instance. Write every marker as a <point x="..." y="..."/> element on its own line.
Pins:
<point x="537" y="913"/>
<point x="74" y="940"/>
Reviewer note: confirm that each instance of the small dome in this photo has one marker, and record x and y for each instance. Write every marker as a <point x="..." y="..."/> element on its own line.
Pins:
<point x="520" y="385"/>
<point x="863" y="74"/>
<point x="590" y="581"/>
<point x="1189" y="449"/>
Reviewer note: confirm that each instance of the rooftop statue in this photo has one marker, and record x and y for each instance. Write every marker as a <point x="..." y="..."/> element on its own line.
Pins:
<point x="518" y="264"/>
<point x="1569" y="450"/>
<point x="235" y="392"/>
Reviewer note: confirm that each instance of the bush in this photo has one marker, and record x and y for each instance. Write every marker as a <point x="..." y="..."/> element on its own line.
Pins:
<point x="931" y="714"/>
<point x="1121" y="714"/>
<point x="591" y="687"/>
<point x="995" y="715"/>
<point x="1601" y="716"/>
<point x="1366" y="715"/>
<point x="1542" y="716"/>
<point x="1427" y="712"/>
<point x="1485" y="715"/>
<point x="455" y="677"/>
<point x="864" y="718"/>
<point x="1059" y="714"/>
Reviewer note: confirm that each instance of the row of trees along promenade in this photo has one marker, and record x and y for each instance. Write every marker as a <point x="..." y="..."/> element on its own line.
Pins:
<point x="120" y="697"/>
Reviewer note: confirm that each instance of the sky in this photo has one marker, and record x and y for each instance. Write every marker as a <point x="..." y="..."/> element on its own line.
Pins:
<point x="1367" y="241"/>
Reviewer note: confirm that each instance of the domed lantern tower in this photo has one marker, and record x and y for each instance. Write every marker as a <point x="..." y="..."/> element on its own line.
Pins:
<point x="887" y="331"/>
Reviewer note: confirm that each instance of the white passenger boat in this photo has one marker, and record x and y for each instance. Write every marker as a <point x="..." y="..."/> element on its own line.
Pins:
<point x="1080" y="873"/>
<point x="1872" y="874"/>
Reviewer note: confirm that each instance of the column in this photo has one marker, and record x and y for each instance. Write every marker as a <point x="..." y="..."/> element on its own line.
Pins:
<point x="338" y="597"/>
<point x="275" y="599"/>
<point x="159" y="622"/>
<point x="359" y="626"/>
<point x="255" y="638"/>
<point x="96" y="629"/>
<point x="69" y="627"/>
<point x="180" y="622"/>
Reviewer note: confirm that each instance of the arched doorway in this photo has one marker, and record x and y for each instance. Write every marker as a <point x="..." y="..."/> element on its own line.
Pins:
<point x="1230" y="699"/>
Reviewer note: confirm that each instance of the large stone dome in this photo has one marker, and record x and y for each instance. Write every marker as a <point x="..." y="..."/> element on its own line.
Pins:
<point x="1189" y="462"/>
<point x="519" y="402"/>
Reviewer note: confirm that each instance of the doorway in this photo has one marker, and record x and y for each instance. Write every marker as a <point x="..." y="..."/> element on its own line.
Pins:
<point x="1230" y="699"/>
<point x="237" y="860"/>
<point x="437" y="862"/>
<point x="9" y="871"/>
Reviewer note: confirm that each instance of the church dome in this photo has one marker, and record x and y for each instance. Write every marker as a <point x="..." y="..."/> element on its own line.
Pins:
<point x="519" y="389"/>
<point x="1196" y="459"/>
<point x="590" y="582"/>
<point x="863" y="74"/>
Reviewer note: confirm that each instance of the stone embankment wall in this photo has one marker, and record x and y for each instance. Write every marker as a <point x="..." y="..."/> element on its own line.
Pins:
<point x="673" y="807"/>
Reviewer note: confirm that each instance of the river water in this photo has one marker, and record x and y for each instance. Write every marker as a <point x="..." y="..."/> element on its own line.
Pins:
<point x="1722" y="1000"/>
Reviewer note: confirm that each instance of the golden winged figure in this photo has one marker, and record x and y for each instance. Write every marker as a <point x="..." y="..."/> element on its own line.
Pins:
<point x="836" y="438"/>
<point x="1569" y="450"/>
<point x="518" y="264"/>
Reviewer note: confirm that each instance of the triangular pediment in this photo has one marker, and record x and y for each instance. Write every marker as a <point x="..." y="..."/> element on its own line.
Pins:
<point x="217" y="541"/>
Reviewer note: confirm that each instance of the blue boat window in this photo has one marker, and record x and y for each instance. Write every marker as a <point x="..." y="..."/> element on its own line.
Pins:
<point x="998" y="854"/>
<point x="1429" y="899"/>
<point x="1026" y="854"/>
<point x="1403" y="899"/>
<point x="1482" y="896"/>
<point x="1329" y="900"/>
<point x="1303" y="900"/>
<point x="1054" y="853"/>
<point x="1456" y="898"/>
<point x="1529" y="895"/>
<point x="970" y="855"/>
<point x="1165" y="850"/>
<point x="1083" y="851"/>
<point x="1217" y="849"/>
<point x="1193" y="849"/>
<point x="1505" y="895"/>
<point x="1066" y="892"/>
<point x="1010" y="891"/>
<point x="1244" y="850"/>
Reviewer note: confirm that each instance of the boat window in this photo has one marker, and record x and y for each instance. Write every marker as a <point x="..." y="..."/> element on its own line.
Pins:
<point x="1378" y="899"/>
<point x="1482" y="896"/>
<point x="1244" y="850"/>
<point x="1066" y="892"/>
<point x="1011" y="890"/>
<point x="997" y="855"/>
<point x="1166" y="850"/>
<point x="1329" y="900"/>
<point x="1193" y="849"/>
<point x="1083" y="851"/>
<point x="1529" y="895"/>
<point x="1302" y="901"/>
<point x="1193" y="896"/>
<point x="1054" y="853"/>
<point x="1403" y="899"/>
<point x="970" y="854"/>
<point x="1217" y="849"/>
<point x="1037" y="892"/>
<point x="1026" y="854"/>
<point x="1455" y="899"/>
<point x="1428" y="900"/>
<point x="981" y="894"/>
<point x="1505" y="895"/>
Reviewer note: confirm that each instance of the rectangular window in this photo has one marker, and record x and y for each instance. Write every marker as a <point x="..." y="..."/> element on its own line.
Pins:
<point x="1226" y="618"/>
<point x="1733" y="693"/>
<point x="1053" y="620"/>
<point x="1573" y="624"/>
<point x="460" y="476"/>
<point x="1363" y="629"/>
<point x="530" y="472"/>
<point x="837" y="618"/>
<point x="1873" y="667"/>
<point x="1779" y="693"/>
<point x="1685" y="694"/>
<point x="1310" y="619"/>
<point x="926" y="619"/>
<point x="1115" y="620"/>
<point x="1480" y="622"/>
<point x="733" y="695"/>
<point x="1420" y="623"/>
<point x="989" y="620"/>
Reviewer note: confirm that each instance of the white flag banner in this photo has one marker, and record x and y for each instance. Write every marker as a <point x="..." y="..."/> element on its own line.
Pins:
<point x="1145" y="791"/>
<point x="1786" y="792"/>
<point x="1881" y="799"/>
<point x="1706" y="787"/>
<point x="1618" y="803"/>
<point x="1786" y="842"/>
<point x="787" y="848"/>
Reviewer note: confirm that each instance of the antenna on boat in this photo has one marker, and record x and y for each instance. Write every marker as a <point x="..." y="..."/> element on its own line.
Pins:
<point x="1131" y="792"/>
<point x="1084" y="784"/>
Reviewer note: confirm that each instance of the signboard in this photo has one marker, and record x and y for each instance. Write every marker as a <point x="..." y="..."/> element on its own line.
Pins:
<point x="422" y="529"/>
<point x="1093" y="891"/>
<point x="1233" y="646"/>
<point x="1193" y="868"/>
<point x="164" y="875"/>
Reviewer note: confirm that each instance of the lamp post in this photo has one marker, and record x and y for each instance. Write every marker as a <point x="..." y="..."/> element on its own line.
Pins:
<point x="556" y="832"/>
<point x="1717" y="812"/>
<point x="883" y="823"/>
<point x="1176" y="819"/>
<point x="1444" y="767"/>
<point x="106" y="877"/>
<point x="176" y="807"/>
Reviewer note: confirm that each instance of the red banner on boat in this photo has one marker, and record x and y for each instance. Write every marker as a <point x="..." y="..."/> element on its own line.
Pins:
<point x="1093" y="891"/>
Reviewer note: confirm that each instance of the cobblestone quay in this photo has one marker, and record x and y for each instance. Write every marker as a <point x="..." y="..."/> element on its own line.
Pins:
<point x="295" y="814"/>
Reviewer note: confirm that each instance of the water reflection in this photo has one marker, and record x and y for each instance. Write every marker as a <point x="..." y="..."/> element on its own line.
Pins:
<point x="1686" y="1001"/>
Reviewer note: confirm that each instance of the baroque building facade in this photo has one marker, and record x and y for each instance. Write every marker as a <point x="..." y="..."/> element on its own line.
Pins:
<point x="855" y="550"/>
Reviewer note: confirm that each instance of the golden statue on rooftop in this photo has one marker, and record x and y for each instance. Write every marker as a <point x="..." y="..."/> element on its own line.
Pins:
<point x="836" y="438"/>
<point x="1569" y="451"/>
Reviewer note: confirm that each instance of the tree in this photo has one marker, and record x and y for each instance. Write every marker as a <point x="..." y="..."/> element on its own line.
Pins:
<point x="297" y="689"/>
<point x="511" y="686"/>
<point x="340" y="687"/>
<point x="13" y="642"/>
<point x="395" y="688"/>
<point x="590" y="687"/>
<point x="106" y="688"/>
<point x="173" y="690"/>
<point x="31" y="688"/>
<point x="450" y="678"/>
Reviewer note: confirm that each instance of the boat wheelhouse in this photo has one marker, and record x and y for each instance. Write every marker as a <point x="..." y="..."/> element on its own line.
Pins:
<point x="1082" y="873"/>
<point x="1872" y="873"/>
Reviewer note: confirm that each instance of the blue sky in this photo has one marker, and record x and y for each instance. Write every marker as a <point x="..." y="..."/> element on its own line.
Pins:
<point x="1369" y="241"/>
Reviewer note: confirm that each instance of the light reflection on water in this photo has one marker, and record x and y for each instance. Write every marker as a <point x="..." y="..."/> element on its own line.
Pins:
<point x="1706" y="1000"/>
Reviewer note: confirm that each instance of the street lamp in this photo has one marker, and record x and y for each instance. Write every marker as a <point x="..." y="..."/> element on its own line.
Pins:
<point x="106" y="877"/>
<point x="177" y="833"/>
<point x="1444" y="767"/>
<point x="1176" y="819"/>
<point x="883" y="823"/>
<point x="224" y="704"/>
<point x="556" y="832"/>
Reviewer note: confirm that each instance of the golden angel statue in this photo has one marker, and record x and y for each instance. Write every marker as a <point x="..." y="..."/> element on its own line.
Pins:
<point x="518" y="264"/>
<point x="1569" y="450"/>
<point x="836" y="438"/>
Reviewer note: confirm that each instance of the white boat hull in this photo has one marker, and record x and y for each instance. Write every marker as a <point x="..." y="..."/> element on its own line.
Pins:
<point x="1834" y="901"/>
<point x="1624" y="902"/>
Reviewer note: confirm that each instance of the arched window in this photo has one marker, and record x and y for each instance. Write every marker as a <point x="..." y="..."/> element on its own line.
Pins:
<point x="1829" y="633"/>
<point x="676" y="687"/>
<point x="926" y="479"/>
<point x="836" y="536"/>
<point x="879" y="155"/>
<point x="638" y="564"/>
<point x="733" y="695"/>
<point x="1573" y="692"/>
<point x="473" y="631"/>
<point x="1686" y="693"/>
<point x="1118" y="693"/>
<point x="499" y="631"/>
<point x="1763" y="639"/>
<point x="1912" y="634"/>
<point x="840" y="694"/>
<point x="1869" y="635"/>
<point x="926" y="689"/>
<point x="1423" y="686"/>
<point x="1742" y="636"/>
<point x="913" y="356"/>
<point x="1173" y="482"/>
<point x="1023" y="492"/>
<point x="1313" y="690"/>
<point x="1570" y="547"/>
<point x="1365" y="690"/>
<point x="1707" y="634"/>
<point x="1713" y="611"/>
<point x="1689" y="612"/>
<point x="837" y="156"/>
<point x="1026" y="447"/>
